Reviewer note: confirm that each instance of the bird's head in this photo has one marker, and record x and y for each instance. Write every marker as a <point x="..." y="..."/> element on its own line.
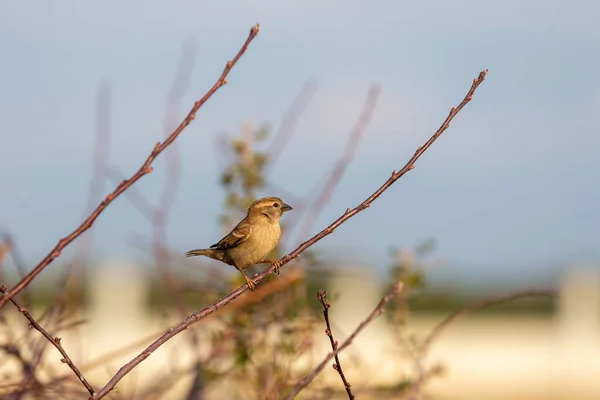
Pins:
<point x="272" y="207"/>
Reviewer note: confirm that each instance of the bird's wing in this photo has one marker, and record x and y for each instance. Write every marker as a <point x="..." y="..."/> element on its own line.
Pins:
<point x="239" y="234"/>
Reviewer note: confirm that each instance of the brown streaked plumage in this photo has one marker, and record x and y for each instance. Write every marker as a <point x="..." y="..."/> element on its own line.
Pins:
<point x="252" y="239"/>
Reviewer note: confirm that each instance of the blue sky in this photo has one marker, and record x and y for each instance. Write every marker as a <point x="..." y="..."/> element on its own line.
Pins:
<point x="510" y="191"/>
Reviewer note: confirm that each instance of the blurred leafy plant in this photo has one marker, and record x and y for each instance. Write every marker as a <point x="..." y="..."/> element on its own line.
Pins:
<point x="244" y="177"/>
<point x="408" y="267"/>
<point x="264" y="337"/>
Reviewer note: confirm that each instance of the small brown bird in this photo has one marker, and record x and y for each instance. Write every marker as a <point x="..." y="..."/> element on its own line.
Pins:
<point x="252" y="239"/>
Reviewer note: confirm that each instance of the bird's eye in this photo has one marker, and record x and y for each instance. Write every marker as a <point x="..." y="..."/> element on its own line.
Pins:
<point x="275" y="205"/>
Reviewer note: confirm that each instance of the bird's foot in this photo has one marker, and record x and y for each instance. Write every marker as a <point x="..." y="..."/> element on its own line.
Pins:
<point x="251" y="284"/>
<point x="277" y="265"/>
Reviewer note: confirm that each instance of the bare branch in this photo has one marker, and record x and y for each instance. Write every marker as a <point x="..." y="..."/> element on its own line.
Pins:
<point x="99" y="166"/>
<point x="409" y="166"/>
<point x="321" y="295"/>
<point x="72" y="277"/>
<point x="337" y="173"/>
<point x="146" y="168"/>
<point x="304" y="382"/>
<point x="435" y="332"/>
<point x="5" y="247"/>
<point x="9" y="245"/>
<point x="290" y="119"/>
<point x="137" y="200"/>
<point x="291" y="278"/>
<point x="418" y="352"/>
<point x="197" y="316"/>
<point x="161" y="213"/>
<point x="54" y="340"/>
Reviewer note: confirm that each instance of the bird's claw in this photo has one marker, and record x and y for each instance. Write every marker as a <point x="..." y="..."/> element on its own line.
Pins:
<point x="277" y="265"/>
<point x="251" y="284"/>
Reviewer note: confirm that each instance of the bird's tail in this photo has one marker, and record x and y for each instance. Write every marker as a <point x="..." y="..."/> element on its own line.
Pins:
<point x="198" y="252"/>
<point x="211" y="253"/>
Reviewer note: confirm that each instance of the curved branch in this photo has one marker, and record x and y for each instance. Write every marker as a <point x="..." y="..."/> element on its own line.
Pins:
<point x="197" y="316"/>
<point x="55" y="341"/>
<point x="321" y="295"/>
<point x="290" y="120"/>
<point x="337" y="173"/>
<point x="146" y="168"/>
<point x="439" y="328"/>
<point x="304" y="382"/>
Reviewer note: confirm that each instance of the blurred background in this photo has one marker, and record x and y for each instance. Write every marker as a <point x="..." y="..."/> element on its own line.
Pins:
<point x="329" y="99"/>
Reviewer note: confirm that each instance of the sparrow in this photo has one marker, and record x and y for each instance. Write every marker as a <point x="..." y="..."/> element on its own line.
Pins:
<point x="252" y="239"/>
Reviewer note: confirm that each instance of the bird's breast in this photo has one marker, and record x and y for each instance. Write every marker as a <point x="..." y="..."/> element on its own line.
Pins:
<point x="263" y="240"/>
<point x="256" y="248"/>
<point x="266" y="236"/>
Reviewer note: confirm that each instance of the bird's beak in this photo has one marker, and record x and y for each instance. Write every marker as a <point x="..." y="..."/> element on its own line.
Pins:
<point x="285" y="208"/>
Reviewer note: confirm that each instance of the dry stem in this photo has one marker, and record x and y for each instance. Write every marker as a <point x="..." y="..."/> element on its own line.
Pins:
<point x="304" y="382"/>
<point x="197" y="316"/>
<point x="435" y="332"/>
<point x="54" y="340"/>
<point x="340" y="167"/>
<point x="124" y="185"/>
<point x="321" y="295"/>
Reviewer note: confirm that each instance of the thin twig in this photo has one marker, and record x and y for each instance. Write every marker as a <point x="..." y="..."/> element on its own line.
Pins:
<point x="409" y="166"/>
<point x="133" y="195"/>
<point x="161" y="213"/>
<point x="274" y="286"/>
<point x="321" y="295"/>
<point x="27" y="367"/>
<point x="304" y="382"/>
<point x="146" y="168"/>
<point x="73" y="273"/>
<point x="190" y="320"/>
<point x="419" y="353"/>
<point x="11" y="247"/>
<point x="437" y="330"/>
<point x="290" y="120"/>
<point x="197" y="316"/>
<point x="55" y="342"/>
<point x="99" y="166"/>
<point x="336" y="175"/>
<point x="4" y="250"/>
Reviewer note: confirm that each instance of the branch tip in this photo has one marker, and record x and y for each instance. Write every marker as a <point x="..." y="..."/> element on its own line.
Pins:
<point x="199" y="315"/>
<point x="89" y="221"/>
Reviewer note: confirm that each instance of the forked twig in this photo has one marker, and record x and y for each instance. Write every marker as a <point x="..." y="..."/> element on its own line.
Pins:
<point x="197" y="316"/>
<point x="124" y="185"/>
<point x="321" y="295"/>
<point x="54" y="340"/>
<point x="271" y="287"/>
<point x="304" y="382"/>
